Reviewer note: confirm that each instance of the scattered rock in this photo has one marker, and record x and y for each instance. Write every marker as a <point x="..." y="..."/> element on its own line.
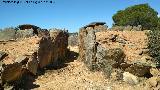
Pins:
<point x="147" y="58"/>
<point x="155" y="72"/>
<point x="145" y="51"/>
<point x="140" y="52"/>
<point x="153" y="81"/>
<point x="113" y="38"/>
<point x="130" y="78"/>
<point x="121" y="40"/>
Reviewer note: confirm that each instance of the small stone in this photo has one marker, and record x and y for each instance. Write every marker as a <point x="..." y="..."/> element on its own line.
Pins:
<point x="153" y="81"/>
<point x="146" y="58"/>
<point x="140" y="52"/>
<point x="155" y="72"/>
<point x="145" y="51"/>
<point x="22" y="59"/>
<point x="130" y="78"/>
<point x="113" y="38"/>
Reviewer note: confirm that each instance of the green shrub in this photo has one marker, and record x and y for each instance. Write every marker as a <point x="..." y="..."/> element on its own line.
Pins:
<point x="141" y="14"/>
<point x="154" y="45"/>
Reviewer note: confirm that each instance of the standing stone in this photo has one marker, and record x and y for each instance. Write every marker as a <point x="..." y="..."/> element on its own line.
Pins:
<point x="98" y="58"/>
<point x="90" y="42"/>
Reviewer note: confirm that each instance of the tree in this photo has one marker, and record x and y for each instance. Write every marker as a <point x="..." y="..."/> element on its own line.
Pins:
<point x="141" y="14"/>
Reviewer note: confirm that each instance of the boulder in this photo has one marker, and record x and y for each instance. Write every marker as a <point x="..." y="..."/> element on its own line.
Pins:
<point x="139" y="70"/>
<point x="130" y="78"/>
<point x="11" y="72"/>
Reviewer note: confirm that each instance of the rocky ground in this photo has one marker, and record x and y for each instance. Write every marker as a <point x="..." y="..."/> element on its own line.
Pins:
<point x="16" y="49"/>
<point x="74" y="75"/>
<point x="133" y="43"/>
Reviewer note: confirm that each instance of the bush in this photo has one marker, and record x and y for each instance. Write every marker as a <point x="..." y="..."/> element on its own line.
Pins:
<point x="8" y="34"/>
<point x="154" y="45"/>
<point x="141" y="14"/>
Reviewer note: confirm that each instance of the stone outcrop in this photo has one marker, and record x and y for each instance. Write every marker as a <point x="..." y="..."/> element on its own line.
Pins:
<point x="56" y="48"/>
<point x="83" y="32"/>
<point x="97" y="57"/>
<point x="107" y="50"/>
<point x="28" y="55"/>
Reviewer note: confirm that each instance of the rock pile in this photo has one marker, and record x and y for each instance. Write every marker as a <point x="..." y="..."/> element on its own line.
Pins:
<point x="122" y="50"/>
<point x="22" y="57"/>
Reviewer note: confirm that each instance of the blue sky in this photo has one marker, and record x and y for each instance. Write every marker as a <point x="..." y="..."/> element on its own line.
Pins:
<point x="69" y="14"/>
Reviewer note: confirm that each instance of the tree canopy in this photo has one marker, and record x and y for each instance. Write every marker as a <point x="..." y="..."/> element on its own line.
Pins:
<point x="141" y="14"/>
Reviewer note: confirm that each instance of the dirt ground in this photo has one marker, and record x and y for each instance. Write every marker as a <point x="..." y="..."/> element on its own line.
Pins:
<point x="75" y="76"/>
